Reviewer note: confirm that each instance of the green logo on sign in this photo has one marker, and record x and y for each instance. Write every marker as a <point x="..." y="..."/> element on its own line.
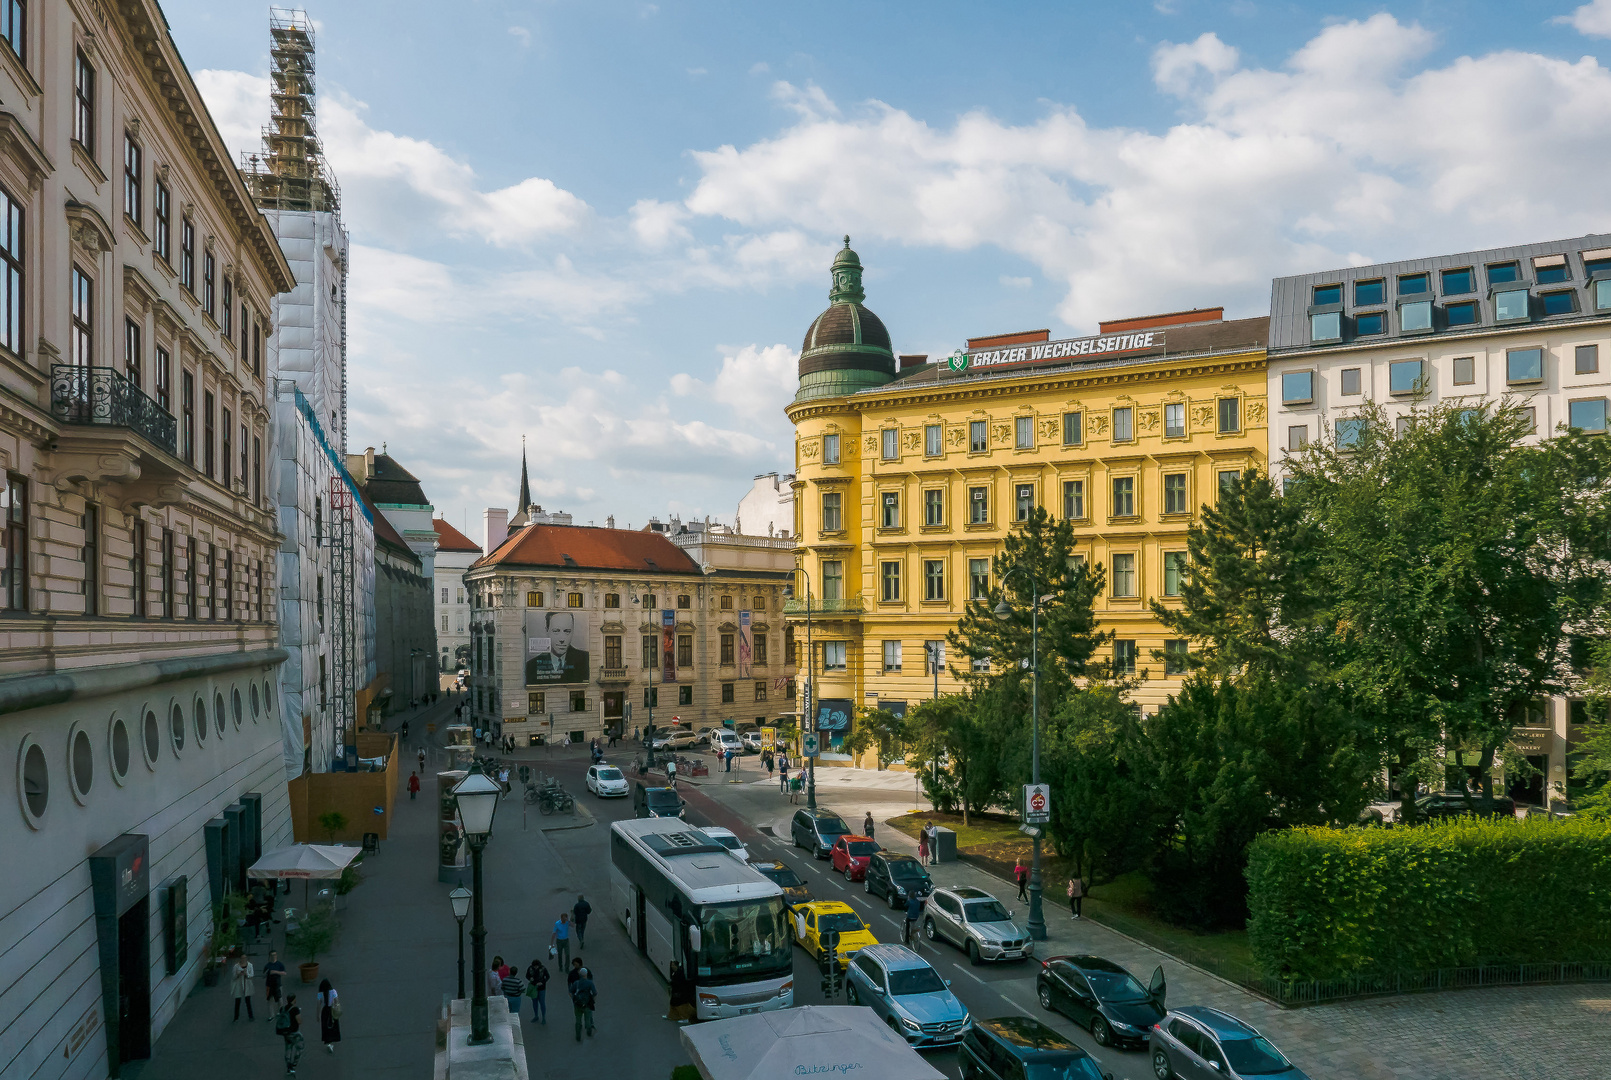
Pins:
<point x="958" y="361"/>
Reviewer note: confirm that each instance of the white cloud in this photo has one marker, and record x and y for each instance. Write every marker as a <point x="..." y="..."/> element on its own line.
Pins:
<point x="1009" y="282"/>
<point x="656" y="224"/>
<point x="1176" y="68"/>
<point x="760" y="67"/>
<point x="697" y="71"/>
<point x="522" y="35"/>
<point x="809" y="101"/>
<point x="754" y="381"/>
<point x="1592" y="19"/>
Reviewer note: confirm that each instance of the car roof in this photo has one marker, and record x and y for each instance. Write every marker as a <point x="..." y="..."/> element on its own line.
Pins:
<point x="970" y="893"/>
<point x="1027" y="1037"/>
<point x="1087" y="963"/>
<point x="1220" y="1023"/>
<point x="895" y="957"/>
<point x="894" y="856"/>
<point x="770" y="864"/>
<point x="822" y="812"/>
<point x="717" y="830"/>
<point x="827" y="907"/>
<point x="850" y="837"/>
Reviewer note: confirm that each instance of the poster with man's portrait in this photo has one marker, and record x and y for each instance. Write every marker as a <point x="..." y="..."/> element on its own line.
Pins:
<point x="555" y="650"/>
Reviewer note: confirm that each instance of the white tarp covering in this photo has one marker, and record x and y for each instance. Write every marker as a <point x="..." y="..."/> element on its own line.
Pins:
<point x="303" y="861"/>
<point x="837" y="1040"/>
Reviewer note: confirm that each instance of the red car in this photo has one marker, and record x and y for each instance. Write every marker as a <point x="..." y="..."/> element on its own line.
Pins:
<point x="850" y="855"/>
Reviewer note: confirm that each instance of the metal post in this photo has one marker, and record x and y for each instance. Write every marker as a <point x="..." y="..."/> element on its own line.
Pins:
<point x="461" y="959"/>
<point x="1037" y="918"/>
<point x="648" y="731"/>
<point x="811" y="669"/>
<point x="480" y="1034"/>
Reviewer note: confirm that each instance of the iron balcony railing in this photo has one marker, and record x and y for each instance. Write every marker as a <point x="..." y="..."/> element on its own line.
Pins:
<point x="851" y="606"/>
<point x="101" y="395"/>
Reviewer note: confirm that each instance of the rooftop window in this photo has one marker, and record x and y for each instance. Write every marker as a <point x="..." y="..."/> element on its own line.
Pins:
<point x="1369" y="293"/>
<point x="1510" y="305"/>
<point x="1592" y="266"/>
<point x="1550" y="269"/>
<point x="1412" y="284"/>
<point x="1462" y="314"/>
<point x="1415" y="316"/>
<point x="1563" y="302"/>
<point x="1370" y="324"/>
<point x="1499" y="273"/>
<point x="1327" y="294"/>
<point x="1457" y="282"/>
<point x="1326" y="326"/>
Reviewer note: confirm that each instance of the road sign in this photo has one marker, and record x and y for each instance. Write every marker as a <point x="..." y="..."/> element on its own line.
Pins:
<point x="1037" y="803"/>
<point x="810" y="744"/>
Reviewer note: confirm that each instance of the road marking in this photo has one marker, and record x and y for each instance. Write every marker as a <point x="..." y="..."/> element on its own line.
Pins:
<point x="1018" y="1003"/>
<point x="971" y="975"/>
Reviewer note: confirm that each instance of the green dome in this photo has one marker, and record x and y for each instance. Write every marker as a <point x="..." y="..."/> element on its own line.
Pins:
<point x="847" y="347"/>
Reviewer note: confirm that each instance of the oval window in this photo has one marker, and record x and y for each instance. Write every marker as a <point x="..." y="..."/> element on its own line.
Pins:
<point x="256" y="704"/>
<point x="80" y="764"/>
<point x="268" y="700"/>
<point x="176" y="728"/>
<point x="121" y="750"/>
<point x="218" y="713"/>
<point x="201" y="721"/>
<point x="33" y="782"/>
<point x="235" y="705"/>
<point x="153" y="738"/>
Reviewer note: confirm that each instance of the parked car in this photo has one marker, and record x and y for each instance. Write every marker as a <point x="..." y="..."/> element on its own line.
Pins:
<point x="849" y="855"/>
<point x="752" y="741"/>
<point x="1011" y="1047"/>
<point x="727" y="839"/>
<point x="907" y="993"/>
<point x="703" y="737"/>
<point x="895" y="877"/>
<point x="976" y="922"/>
<point x="606" y="781"/>
<point x="1196" y="1041"/>
<point x="1103" y="997"/>
<point x="817" y="830"/>
<point x="817" y="917"/>
<point x="656" y="801"/>
<point x="722" y="740"/>
<point x="675" y="739"/>
<point x="1450" y="804"/>
<point x="781" y="874"/>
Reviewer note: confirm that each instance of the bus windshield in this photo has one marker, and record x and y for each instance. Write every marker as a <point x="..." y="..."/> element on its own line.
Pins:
<point x="747" y="936"/>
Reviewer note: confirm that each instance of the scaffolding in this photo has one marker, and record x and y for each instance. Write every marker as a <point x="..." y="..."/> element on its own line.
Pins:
<point x="290" y="173"/>
<point x="343" y="647"/>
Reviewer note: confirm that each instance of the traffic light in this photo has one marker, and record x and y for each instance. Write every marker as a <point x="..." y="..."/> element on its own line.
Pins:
<point x="833" y="980"/>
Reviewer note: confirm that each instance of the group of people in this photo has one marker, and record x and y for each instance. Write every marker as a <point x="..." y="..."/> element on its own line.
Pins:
<point x="507" y="980"/>
<point x="780" y="762"/>
<point x="285" y="1014"/>
<point x="1076" y="887"/>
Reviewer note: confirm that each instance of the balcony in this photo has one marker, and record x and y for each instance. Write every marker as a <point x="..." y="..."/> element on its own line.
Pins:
<point x="105" y="397"/>
<point x="610" y="676"/>
<point x="851" y="606"/>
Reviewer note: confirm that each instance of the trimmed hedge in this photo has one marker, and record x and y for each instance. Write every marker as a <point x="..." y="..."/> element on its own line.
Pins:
<point x="1334" y="903"/>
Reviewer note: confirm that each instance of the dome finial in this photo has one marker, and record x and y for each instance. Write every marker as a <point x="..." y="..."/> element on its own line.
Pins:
<point x="847" y="240"/>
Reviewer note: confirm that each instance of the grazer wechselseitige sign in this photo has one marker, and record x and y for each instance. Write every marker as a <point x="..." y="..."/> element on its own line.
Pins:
<point x="1101" y="347"/>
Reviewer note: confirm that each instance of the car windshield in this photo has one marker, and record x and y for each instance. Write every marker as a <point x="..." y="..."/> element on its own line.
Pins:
<point x="1080" y="1068"/>
<point x="862" y="847"/>
<point x="749" y="936"/>
<point x="986" y="911"/>
<point x="923" y="980"/>
<point x="827" y="825"/>
<point x="844" y="922"/>
<point x="907" y="871"/>
<point x="661" y="797"/>
<point x="610" y="774"/>
<point x="729" y="842"/>
<point x="1252" y="1057"/>
<point x="782" y="876"/>
<point x="1117" y="987"/>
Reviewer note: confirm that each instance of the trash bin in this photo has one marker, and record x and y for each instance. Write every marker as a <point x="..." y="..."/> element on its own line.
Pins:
<point x="945" y="844"/>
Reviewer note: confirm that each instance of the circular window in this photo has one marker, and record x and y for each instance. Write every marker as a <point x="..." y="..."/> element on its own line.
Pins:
<point x="33" y="782"/>
<point x="80" y="763"/>
<point x="235" y="705"/>
<point x="176" y="728"/>
<point x="201" y="721"/>
<point x="268" y="700"/>
<point x="152" y="735"/>
<point x="121" y="750"/>
<point x="256" y="703"/>
<point x="218" y="714"/>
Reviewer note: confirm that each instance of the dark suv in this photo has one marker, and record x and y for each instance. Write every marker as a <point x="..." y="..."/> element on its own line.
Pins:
<point x="896" y="877"/>
<point x="656" y="801"/>
<point x="817" y="830"/>
<point x="1013" y="1047"/>
<point x="1451" y="804"/>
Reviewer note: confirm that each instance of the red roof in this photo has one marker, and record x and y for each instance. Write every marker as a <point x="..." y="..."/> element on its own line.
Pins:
<point x="583" y="547"/>
<point x="450" y="539"/>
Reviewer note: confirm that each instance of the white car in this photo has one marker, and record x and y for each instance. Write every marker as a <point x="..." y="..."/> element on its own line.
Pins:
<point x="727" y="839"/>
<point x="606" y="781"/>
<point x="752" y="742"/>
<point x="723" y="740"/>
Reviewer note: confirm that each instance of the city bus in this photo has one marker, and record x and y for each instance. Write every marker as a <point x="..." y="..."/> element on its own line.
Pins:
<point x="682" y="896"/>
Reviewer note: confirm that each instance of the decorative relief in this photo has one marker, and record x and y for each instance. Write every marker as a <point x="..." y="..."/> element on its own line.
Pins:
<point x="956" y="436"/>
<point x="1099" y="424"/>
<point x="1202" y="416"/>
<point x="911" y="439"/>
<point x="1048" y="429"/>
<point x="1149" y="419"/>
<point x="871" y="443"/>
<point x="1255" y="412"/>
<point x="1003" y="432"/>
<point x="809" y="449"/>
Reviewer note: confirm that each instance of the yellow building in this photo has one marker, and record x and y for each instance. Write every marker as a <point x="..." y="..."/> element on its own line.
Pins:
<point x="910" y="474"/>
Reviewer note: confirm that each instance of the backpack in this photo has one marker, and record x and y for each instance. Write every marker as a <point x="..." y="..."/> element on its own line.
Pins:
<point x="583" y="996"/>
<point x="282" y="1022"/>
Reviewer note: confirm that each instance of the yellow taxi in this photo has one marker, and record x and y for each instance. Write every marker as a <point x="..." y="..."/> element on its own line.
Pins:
<point x="816" y="917"/>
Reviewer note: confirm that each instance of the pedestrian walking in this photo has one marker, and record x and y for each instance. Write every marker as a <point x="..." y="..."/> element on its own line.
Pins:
<point x="769" y="762"/>
<point x="923" y="845"/>
<point x="727" y="760"/>
<point x="537" y="989"/>
<point x="329" y="1015"/>
<point x="914" y="911"/>
<point x="288" y="1025"/>
<point x="240" y="985"/>
<point x="1020" y="874"/>
<point x="273" y="976"/>
<point x="573" y="974"/>
<point x="1076" y="893"/>
<point x="422" y="759"/>
<point x="413" y="785"/>
<point x="560" y="940"/>
<point x="783" y="776"/>
<point x="681" y="1008"/>
<point x="579" y="913"/>
<point x="494" y="976"/>
<point x="584" y="996"/>
<point x="514" y="988"/>
<point x="934" y="845"/>
<point x="867" y="825"/>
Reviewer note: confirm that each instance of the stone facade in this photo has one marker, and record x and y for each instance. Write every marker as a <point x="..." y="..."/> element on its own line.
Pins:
<point x="454" y="554"/>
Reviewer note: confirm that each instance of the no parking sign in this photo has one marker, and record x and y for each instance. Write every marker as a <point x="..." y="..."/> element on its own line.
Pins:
<point x="1037" y="803"/>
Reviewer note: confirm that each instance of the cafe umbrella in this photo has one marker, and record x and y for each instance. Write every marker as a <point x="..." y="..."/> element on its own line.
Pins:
<point x="812" y="1039"/>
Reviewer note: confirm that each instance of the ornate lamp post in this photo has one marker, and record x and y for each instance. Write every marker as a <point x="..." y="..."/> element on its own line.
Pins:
<point x="810" y="695"/>
<point x="1003" y="611"/>
<point x="476" y="797"/>
<point x="461" y="908"/>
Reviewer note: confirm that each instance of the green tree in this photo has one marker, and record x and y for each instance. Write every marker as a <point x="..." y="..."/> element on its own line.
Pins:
<point x="879" y="730"/>
<point x="931" y="727"/>
<point x="1591" y="758"/>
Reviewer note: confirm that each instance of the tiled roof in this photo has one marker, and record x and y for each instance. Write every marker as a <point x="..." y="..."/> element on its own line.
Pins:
<point x="385" y="534"/>
<point x="393" y="484"/>
<point x="583" y="547"/>
<point x="450" y="539"/>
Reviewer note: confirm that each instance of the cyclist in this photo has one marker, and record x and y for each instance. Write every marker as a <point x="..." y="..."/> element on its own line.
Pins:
<point x="914" y="908"/>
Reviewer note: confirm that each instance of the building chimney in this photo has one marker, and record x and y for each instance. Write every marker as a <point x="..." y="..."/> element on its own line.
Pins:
<point x="369" y="462"/>
<point x="496" y="520"/>
<point x="609" y="522"/>
<point x="913" y="360"/>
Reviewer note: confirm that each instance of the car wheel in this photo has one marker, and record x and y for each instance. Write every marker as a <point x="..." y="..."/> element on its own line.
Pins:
<point x="850" y="873"/>
<point x="973" y="954"/>
<point x="851" y="997"/>
<point x="894" y="903"/>
<point x="1045" y="996"/>
<point x="1160" y="1065"/>
<point x="1101" y="1032"/>
<point x="928" y="929"/>
<point x="867" y="885"/>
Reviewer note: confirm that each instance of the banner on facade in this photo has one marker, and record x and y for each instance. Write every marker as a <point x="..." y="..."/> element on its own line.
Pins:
<point x="668" y="646"/>
<point x="554" y="647"/>
<point x="833" y="714"/>
<point x="1052" y="352"/>
<point x="745" y="643"/>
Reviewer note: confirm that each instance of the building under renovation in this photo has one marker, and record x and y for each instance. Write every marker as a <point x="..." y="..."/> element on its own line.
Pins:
<point x="327" y="561"/>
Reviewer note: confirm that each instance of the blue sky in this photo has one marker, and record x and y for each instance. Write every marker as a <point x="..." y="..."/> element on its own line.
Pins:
<point x="607" y="225"/>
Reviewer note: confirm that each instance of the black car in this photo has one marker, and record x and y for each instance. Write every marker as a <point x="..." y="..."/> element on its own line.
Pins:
<point x="1102" y="996"/>
<point x="795" y="891"/>
<point x="656" y="801"/>
<point x="896" y="877"/>
<point x="817" y="830"/>
<point x="1451" y="804"/>
<point x="1012" y="1047"/>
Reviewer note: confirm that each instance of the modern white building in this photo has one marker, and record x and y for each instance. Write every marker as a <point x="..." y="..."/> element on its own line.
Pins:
<point x="1531" y="322"/>
<point x="767" y="508"/>
<point x="138" y="648"/>
<point x="454" y="554"/>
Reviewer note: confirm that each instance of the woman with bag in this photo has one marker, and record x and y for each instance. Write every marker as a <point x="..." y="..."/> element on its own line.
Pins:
<point x="923" y="845"/>
<point x="240" y="985"/>
<point x="1076" y="893"/>
<point x="329" y="1015"/>
<point x="537" y="990"/>
<point x="288" y="1026"/>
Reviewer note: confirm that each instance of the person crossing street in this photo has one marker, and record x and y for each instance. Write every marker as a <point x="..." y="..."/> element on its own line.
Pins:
<point x="561" y="939"/>
<point x="584" y="997"/>
<point x="579" y="913"/>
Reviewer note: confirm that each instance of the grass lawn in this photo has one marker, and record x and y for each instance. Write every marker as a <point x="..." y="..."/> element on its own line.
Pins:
<point x="993" y="843"/>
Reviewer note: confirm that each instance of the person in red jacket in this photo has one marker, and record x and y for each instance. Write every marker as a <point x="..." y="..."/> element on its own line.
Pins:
<point x="413" y="784"/>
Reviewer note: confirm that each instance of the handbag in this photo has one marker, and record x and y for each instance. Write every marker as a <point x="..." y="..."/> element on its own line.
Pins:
<point x="552" y="952"/>
<point x="335" y="1010"/>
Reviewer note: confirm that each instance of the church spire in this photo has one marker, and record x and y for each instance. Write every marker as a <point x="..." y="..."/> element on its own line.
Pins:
<point x="525" y="481"/>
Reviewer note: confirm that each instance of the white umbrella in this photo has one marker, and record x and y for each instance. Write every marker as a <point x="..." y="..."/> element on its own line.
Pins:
<point x="303" y="861"/>
<point x="828" y="1039"/>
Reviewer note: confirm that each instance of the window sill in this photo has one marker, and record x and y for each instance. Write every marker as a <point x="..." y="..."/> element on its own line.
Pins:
<point x="19" y="71"/>
<point x="941" y="602"/>
<point x="833" y="534"/>
<point x="979" y="526"/>
<point x="1177" y="515"/>
<point x="1127" y="599"/>
<point x="934" y="528"/>
<point x="87" y="164"/>
<point x="1073" y="446"/>
<point x="892" y="530"/>
<point x="1127" y="519"/>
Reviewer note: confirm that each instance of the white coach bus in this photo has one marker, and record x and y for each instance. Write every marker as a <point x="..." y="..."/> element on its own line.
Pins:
<point x="682" y="896"/>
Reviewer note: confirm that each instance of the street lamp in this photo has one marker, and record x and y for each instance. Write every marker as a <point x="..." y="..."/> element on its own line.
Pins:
<point x="810" y="696"/>
<point x="461" y="907"/>
<point x="476" y="797"/>
<point x="1003" y="611"/>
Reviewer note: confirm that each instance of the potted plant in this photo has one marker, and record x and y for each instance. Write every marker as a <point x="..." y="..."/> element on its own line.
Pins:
<point x="310" y="937"/>
<point x="332" y="822"/>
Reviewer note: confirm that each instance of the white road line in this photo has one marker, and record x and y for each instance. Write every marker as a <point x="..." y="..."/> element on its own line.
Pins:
<point x="971" y="975"/>
<point x="1020" y="1004"/>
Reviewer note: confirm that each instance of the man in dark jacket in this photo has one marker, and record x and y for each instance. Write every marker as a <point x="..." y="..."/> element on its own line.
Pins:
<point x="579" y="913"/>
<point x="584" y="995"/>
<point x="914" y="911"/>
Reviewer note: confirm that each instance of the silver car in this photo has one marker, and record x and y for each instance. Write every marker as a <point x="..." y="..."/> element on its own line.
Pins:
<point x="977" y="923"/>
<point x="1199" y="1043"/>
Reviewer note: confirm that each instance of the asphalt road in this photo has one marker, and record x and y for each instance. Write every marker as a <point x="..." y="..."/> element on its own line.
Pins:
<point x="990" y="990"/>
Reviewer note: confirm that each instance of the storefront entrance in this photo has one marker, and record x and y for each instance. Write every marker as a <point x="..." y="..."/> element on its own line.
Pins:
<point x="614" y="710"/>
<point x="120" y="881"/>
